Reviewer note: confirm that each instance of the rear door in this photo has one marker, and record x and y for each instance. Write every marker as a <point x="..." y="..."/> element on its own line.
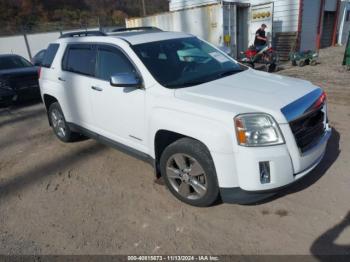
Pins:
<point x="119" y="111"/>
<point x="77" y="76"/>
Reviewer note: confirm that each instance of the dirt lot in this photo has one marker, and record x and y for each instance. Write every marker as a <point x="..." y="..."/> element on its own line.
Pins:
<point x="86" y="198"/>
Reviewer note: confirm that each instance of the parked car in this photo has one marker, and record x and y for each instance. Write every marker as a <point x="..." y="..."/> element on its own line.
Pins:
<point x="210" y="126"/>
<point x="7" y="95"/>
<point x="18" y="79"/>
<point x="38" y="58"/>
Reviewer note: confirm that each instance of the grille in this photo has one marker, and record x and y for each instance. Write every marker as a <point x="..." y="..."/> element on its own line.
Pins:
<point x="308" y="129"/>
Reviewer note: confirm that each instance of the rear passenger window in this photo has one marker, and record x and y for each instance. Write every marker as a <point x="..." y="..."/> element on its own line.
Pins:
<point x="50" y="55"/>
<point x="80" y="59"/>
<point x="111" y="61"/>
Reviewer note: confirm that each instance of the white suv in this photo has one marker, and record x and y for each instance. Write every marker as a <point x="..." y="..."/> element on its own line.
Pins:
<point x="210" y="126"/>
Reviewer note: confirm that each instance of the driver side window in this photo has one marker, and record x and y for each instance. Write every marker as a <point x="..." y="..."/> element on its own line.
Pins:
<point x="111" y="61"/>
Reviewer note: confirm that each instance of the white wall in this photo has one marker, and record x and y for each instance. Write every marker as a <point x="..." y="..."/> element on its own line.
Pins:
<point x="38" y="42"/>
<point x="13" y="45"/>
<point x="285" y="15"/>
<point x="16" y="44"/>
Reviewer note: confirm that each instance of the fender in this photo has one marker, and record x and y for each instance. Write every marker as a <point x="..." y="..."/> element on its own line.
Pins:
<point x="212" y="133"/>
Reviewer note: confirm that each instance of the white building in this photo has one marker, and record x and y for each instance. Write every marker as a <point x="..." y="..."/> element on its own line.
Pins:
<point x="292" y="24"/>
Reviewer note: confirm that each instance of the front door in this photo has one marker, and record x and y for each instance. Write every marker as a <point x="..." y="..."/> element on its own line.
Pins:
<point x="119" y="111"/>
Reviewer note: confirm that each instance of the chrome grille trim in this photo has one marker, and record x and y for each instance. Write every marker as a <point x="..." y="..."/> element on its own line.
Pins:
<point x="300" y="107"/>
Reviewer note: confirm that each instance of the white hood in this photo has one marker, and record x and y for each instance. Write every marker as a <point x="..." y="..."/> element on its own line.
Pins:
<point x="249" y="91"/>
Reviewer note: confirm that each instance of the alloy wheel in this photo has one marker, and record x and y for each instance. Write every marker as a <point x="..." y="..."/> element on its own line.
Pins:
<point x="58" y="123"/>
<point x="186" y="176"/>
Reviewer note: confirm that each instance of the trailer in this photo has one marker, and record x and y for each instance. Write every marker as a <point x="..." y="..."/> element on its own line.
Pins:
<point x="223" y="23"/>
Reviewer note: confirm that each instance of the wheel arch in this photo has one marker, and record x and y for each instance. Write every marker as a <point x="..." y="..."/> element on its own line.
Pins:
<point x="48" y="101"/>
<point x="167" y="126"/>
<point x="164" y="138"/>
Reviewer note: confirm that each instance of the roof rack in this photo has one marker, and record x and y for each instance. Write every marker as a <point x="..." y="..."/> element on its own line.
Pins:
<point x="83" y="33"/>
<point x="141" y="28"/>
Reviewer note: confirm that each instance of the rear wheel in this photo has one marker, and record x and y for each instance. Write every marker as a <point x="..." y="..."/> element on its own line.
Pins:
<point x="189" y="172"/>
<point x="59" y="124"/>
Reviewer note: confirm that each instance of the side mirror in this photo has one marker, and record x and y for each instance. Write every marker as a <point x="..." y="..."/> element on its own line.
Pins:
<point x="126" y="80"/>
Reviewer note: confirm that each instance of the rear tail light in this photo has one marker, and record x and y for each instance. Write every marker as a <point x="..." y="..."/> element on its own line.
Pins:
<point x="39" y="72"/>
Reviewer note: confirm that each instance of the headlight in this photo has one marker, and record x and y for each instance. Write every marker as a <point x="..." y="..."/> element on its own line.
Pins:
<point x="257" y="130"/>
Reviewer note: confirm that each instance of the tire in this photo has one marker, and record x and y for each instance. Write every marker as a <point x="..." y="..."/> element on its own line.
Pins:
<point x="294" y="63"/>
<point x="189" y="173"/>
<point x="313" y="62"/>
<point x="59" y="124"/>
<point x="272" y="68"/>
<point x="301" y="63"/>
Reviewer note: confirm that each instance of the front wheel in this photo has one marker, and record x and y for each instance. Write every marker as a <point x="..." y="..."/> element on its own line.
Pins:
<point x="189" y="173"/>
<point x="301" y="63"/>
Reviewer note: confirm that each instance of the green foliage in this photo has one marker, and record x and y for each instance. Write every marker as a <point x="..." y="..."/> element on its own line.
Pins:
<point x="17" y="16"/>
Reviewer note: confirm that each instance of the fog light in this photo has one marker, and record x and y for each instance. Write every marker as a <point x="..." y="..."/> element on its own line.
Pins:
<point x="264" y="168"/>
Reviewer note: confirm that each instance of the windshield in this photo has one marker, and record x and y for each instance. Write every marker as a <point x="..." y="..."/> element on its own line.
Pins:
<point x="185" y="62"/>
<point x="10" y="62"/>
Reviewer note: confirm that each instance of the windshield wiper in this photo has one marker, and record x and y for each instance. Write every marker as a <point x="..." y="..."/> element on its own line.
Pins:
<point x="186" y="84"/>
<point x="230" y="72"/>
<point x="206" y="79"/>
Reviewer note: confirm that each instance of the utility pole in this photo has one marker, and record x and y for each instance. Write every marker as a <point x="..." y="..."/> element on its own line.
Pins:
<point x="143" y="7"/>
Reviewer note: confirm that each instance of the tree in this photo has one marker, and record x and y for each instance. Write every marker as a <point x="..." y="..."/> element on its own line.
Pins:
<point x="43" y="15"/>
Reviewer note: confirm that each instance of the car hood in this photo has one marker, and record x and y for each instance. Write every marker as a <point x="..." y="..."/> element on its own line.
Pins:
<point x="249" y="91"/>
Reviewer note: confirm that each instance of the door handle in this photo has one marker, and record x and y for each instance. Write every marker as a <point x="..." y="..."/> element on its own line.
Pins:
<point x="61" y="79"/>
<point x="96" y="88"/>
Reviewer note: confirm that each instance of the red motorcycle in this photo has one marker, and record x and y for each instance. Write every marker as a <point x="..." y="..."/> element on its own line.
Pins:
<point x="267" y="57"/>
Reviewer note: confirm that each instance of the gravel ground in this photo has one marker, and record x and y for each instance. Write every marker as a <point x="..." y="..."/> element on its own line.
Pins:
<point x="86" y="198"/>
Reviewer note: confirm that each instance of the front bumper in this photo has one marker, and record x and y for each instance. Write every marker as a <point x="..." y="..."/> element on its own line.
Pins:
<point x="251" y="190"/>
